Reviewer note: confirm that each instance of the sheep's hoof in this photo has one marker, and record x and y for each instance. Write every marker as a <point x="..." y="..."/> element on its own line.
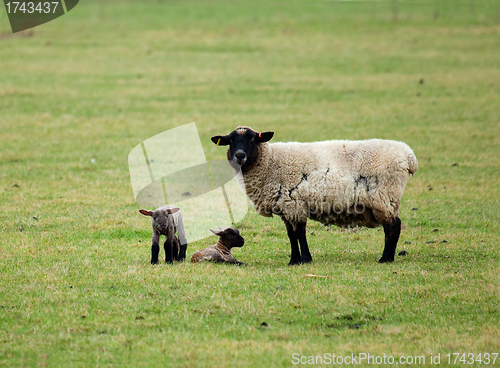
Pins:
<point x="154" y="262"/>
<point x="385" y="260"/>
<point x="306" y="260"/>
<point x="294" y="262"/>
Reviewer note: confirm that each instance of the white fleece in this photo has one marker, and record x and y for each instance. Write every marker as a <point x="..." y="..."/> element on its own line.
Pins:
<point x="326" y="180"/>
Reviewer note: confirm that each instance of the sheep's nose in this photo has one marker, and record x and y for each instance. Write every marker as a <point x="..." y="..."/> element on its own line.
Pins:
<point x="240" y="157"/>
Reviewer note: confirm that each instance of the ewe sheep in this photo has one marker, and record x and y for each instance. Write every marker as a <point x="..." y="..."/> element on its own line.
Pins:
<point x="344" y="183"/>
<point x="167" y="220"/>
<point x="221" y="252"/>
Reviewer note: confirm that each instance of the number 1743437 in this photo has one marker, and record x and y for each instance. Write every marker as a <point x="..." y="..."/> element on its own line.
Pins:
<point x="14" y="7"/>
<point x="470" y="358"/>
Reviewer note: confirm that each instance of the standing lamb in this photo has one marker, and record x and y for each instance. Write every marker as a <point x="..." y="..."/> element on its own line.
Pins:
<point x="344" y="183"/>
<point x="221" y="252"/>
<point x="167" y="220"/>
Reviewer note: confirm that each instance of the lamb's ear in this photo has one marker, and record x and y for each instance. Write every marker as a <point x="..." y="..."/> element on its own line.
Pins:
<point x="264" y="137"/>
<point x="221" y="140"/>
<point x="173" y="210"/>
<point x="146" y="212"/>
<point x="216" y="232"/>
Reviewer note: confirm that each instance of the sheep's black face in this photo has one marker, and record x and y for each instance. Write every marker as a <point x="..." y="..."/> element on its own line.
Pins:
<point x="232" y="238"/>
<point x="242" y="145"/>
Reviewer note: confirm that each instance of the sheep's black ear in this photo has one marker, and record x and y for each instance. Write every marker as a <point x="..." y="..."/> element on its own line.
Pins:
<point x="221" y="140"/>
<point x="146" y="212"/>
<point x="216" y="232"/>
<point x="173" y="210"/>
<point x="264" y="137"/>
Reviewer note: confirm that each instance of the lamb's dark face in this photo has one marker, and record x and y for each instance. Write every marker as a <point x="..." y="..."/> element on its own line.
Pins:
<point x="232" y="238"/>
<point x="161" y="218"/>
<point x="242" y="144"/>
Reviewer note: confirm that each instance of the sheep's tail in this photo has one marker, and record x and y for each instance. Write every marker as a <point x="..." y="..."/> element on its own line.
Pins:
<point x="412" y="163"/>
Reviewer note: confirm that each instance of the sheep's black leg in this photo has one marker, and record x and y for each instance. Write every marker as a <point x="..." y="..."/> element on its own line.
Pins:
<point x="155" y="249"/>
<point x="168" y="251"/>
<point x="295" y="258"/>
<point x="300" y="232"/>
<point x="392" y="231"/>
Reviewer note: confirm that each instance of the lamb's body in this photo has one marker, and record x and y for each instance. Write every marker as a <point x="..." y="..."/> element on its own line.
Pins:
<point x="221" y="252"/>
<point x="215" y="253"/>
<point x="335" y="182"/>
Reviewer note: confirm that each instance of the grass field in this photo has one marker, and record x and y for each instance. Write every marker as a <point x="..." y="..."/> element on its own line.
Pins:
<point x="78" y="93"/>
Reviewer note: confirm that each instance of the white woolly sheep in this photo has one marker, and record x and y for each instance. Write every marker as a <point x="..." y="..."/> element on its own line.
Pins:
<point x="221" y="252"/>
<point x="344" y="183"/>
<point x="167" y="220"/>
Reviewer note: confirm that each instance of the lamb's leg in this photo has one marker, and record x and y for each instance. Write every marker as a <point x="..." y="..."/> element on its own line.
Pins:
<point x="300" y="231"/>
<point x="155" y="248"/>
<point x="295" y="258"/>
<point x="392" y="231"/>
<point x="182" y="249"/>
<point x="182" y="252"/>
<point x="238" y="263"/>
<point x="232" y="260"/>
<point x="175" y="249"/>
<point x="182" y="239"/>
<point x="168" y="250"/>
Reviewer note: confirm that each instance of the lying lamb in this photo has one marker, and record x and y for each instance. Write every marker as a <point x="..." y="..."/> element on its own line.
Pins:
<point x="221" y="252"/>
<point x="167" y="220"/>
<point x="344" y="183"/>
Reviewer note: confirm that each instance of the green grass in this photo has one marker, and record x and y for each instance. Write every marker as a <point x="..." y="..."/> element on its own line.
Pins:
<point x="76" y="286"/>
